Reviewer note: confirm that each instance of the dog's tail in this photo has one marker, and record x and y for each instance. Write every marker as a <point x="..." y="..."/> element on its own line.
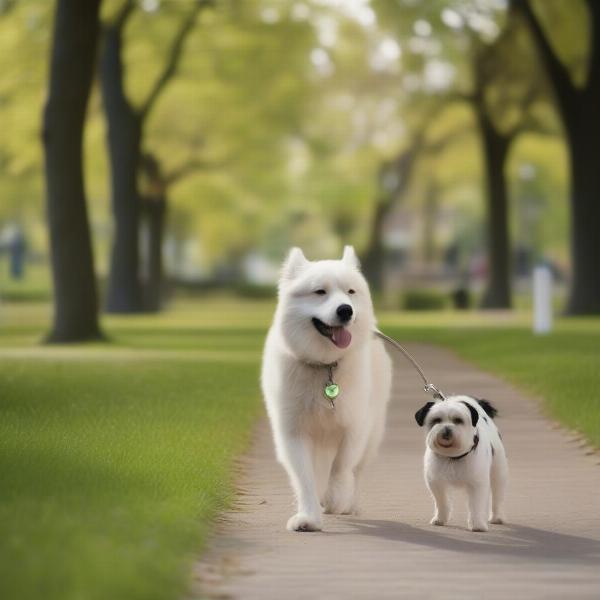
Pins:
<point x="487" y="407"/>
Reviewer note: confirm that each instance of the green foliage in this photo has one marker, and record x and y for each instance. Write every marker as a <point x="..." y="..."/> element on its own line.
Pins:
<point x="250" y="290"/>
<point x="288" y="108"/>
<point x="424" y="299"/>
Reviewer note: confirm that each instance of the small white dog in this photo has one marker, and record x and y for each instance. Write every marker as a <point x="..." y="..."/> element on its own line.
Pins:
<point x="326" y="383"/>
<point x="464" y="449"/>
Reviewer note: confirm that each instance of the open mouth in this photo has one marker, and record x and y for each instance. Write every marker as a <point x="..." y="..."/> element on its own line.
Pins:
<point x="340" y="336"/>
<point x="444" y="443"/>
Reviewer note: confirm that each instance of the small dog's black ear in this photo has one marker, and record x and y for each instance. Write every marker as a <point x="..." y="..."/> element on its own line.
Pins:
<point x="421" y="414"/>
<point x="487" y="406"/>
<point x="474" y="413"/>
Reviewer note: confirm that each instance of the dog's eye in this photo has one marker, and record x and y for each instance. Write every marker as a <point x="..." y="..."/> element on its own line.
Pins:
<point x="320" y="292"/>
<point x="351" y="292"/>
<point x="457" y="421"/>
<point x="435" y="422"/>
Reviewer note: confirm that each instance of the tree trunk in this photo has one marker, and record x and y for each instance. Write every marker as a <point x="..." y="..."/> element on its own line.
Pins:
<point x="578" y="109"/>
<point x="584" y="150"/>
<point x="393" y="180"/>
<point x="430" y="209"/>
<point x="75" y="37"/>
<point x="495" y="151"/>
<point x="124" y="143"/>
<point x="155" y="212"/>
<point x="373" y="259"/>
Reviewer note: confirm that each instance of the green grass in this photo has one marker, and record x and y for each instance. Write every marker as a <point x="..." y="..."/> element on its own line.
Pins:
<point x="115" y="457"/>
<point x="34" y="286"/>
<point x="560" y="368"/>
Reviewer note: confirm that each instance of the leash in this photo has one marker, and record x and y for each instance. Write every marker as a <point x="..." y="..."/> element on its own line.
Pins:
<point x="428" y="387"/>
<point x="331" y="390"/>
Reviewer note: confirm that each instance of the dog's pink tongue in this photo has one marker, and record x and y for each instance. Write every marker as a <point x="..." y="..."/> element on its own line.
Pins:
<point x="341" y="337"/>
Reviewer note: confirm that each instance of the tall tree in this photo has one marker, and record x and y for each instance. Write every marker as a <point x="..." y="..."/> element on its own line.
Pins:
<point x="578" y="109"/>
<point x="126" y="124"/>
<point x="495" y="145"/>
<point x="75" y="38"/>
<point x="154" y="199"/>
<point x="506" y="89"/>
<point x="394" y="180"/>
<point x="496" y="81"/>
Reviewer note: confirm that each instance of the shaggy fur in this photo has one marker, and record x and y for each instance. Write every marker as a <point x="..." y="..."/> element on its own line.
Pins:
<point x="464" y="449"/>
<point x="324" y="450"/>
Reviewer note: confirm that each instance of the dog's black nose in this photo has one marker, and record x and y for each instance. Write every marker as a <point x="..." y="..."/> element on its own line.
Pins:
<point x="344" y="312"/>
<point x="446" y="433"/>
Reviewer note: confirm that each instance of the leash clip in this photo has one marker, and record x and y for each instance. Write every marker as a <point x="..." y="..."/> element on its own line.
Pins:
<point x="429" y="388"/>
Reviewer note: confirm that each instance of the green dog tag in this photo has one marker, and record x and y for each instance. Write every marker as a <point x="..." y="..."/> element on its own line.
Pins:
<point x="332" y="391"/>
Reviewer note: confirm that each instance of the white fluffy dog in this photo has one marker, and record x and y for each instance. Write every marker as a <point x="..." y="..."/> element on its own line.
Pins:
<point x="464" y="449"/>
<point x="326" y="383"/>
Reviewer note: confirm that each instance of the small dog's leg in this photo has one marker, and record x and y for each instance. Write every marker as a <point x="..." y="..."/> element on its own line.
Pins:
<point x="499" y="481"/>
<point x="294" y="454"/>
<point x="479" y="503"/>
<point x="442" y="505"/>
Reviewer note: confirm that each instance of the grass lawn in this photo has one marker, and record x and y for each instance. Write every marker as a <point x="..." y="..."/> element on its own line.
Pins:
<point x="562" y="368"/>
<point x="115" y="457"/>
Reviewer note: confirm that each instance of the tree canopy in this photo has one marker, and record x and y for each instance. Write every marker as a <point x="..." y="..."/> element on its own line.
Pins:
<point x="282" y="112"/>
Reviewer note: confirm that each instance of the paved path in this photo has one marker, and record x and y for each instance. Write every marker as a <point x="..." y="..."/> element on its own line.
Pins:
<point x="549" y="549"/>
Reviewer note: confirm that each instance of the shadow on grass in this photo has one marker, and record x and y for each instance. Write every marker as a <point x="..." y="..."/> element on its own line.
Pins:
<point x="508" y="540"/>
<point x="41" y="474"/>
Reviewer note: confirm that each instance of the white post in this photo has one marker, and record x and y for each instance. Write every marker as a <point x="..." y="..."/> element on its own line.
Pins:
<point x="542" y="300"/>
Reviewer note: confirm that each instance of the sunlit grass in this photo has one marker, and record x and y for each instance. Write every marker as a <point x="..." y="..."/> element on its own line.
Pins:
<point x="115" y="456"/>
<point x="560" y="368"/>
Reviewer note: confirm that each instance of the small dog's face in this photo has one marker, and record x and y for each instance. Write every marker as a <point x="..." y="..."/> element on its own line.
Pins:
<point x="324" y="306"/>
<point x="450" y="426"/>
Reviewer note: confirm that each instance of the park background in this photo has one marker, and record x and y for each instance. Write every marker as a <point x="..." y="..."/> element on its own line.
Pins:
<point x="454" y="143"/>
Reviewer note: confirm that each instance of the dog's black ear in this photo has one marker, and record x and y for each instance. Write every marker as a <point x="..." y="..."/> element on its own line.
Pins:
<point x="490" y="410"/>
<point x="474" y="413"/>
<point x="421" y="414"/>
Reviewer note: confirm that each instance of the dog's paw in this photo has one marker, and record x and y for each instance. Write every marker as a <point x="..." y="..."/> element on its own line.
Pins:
<point x="478" y="526"/>
<point x="437" y="521"/>
<point x="335" y="508"/>
<point x="498" y="519"/>
<point x="304" y="522"/>
<point x="339" y="499"/>
<point x="338" y="504"/>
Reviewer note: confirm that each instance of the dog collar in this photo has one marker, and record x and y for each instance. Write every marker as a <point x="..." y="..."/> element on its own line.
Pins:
<point x="331" y="390"/>
<point x="475" y="444"/>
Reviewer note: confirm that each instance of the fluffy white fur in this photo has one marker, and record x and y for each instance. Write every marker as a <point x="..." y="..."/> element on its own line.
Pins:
<point x="324" y="451"/>
<point x="451" y="429"/>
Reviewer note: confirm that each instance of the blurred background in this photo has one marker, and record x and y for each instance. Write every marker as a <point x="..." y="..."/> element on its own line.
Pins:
<point x="434" y="136"/>
<point x="157" y="160"/>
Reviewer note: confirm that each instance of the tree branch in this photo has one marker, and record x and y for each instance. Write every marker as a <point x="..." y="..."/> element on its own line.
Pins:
<point x="122" y="16"/>
<point x="174" y="57"/>
<point x="558" y="73"/>
<point x="593" y="65"/>
<point x="521" y="124"/>
<point x="111" y="71"/>
<point x="440" y="144"/>
<point x="189" y="166"/>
